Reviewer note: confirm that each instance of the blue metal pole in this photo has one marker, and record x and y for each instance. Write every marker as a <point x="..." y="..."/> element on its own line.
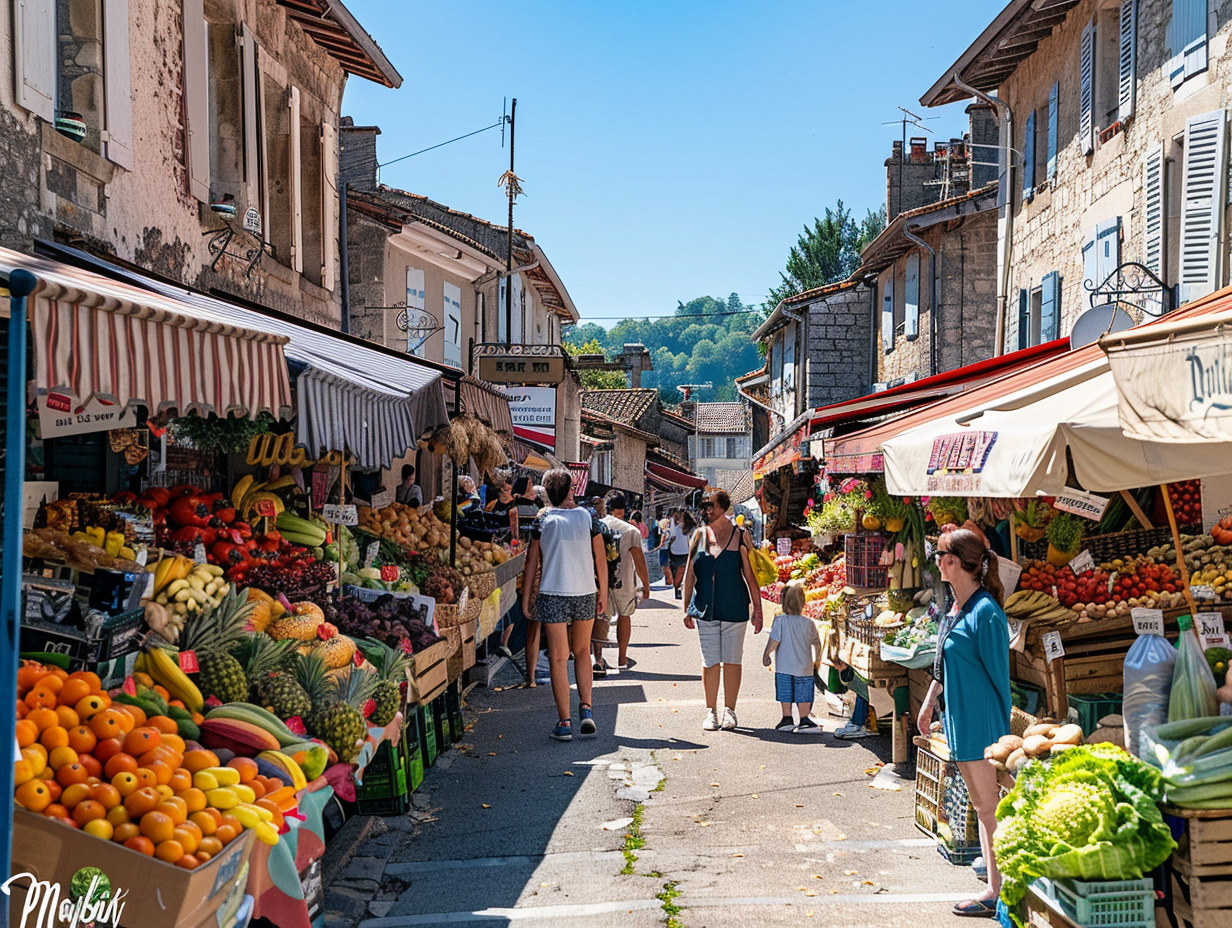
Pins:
<point x="21" y="285"/>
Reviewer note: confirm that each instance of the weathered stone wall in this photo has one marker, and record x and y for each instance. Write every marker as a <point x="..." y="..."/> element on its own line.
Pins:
<point x="568" y="417"/>
<point x="839" y="334"/>
<point x="628" y="462"/>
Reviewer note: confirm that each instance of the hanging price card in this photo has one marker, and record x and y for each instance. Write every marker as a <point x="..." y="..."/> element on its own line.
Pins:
<point x="199" y="553"/>
<point x="381" y="499"/>
<point x="1204" y="593"/>
<point x="1217" y="641"/>
<point x="266" y="509"/>
<point x="370" y="554"/>
<point x="1082" y="563"/>
<point x="784" y="547"/>
<point x="1053" y="648"/>
<point x="1147" y="621"/>
<point x="188" y="662"/>
<point x="340" y="515"/>
<point x="1209" y="625"/>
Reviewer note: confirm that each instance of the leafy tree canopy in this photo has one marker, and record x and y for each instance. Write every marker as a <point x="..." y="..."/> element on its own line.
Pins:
<point x="828" y="252"/>
<point x="596" y="380"/>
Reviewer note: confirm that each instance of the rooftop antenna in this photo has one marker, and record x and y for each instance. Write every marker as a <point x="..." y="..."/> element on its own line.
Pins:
<point x="907" y="119"/>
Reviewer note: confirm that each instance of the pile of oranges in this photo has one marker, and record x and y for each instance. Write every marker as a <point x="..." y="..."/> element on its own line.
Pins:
<point x="108" y="770"/>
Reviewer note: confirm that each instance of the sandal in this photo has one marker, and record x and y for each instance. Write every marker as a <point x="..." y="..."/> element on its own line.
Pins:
<point x="599" y="669"/>
<point x="977" y="908"/>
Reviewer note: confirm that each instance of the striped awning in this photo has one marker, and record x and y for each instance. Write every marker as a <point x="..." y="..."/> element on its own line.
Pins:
<point x="487" y="403"/>
<point x="97" y="337"/>
<point x="580" y="472"/>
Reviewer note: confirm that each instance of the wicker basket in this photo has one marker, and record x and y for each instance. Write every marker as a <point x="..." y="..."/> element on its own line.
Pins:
<point x="482" y="585"/>
<point x="454" y="662"/>
<point x="466" y="610"/>
<point x="861" y="626"/>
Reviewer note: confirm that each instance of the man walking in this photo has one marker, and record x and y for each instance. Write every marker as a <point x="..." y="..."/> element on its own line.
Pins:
<point x="623" y="598"/>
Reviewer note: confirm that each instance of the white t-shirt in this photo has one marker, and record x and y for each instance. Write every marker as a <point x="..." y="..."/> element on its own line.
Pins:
<point x="567" y="552"/>
<point x="680" y="539"/>
<point x="797" y="636"/>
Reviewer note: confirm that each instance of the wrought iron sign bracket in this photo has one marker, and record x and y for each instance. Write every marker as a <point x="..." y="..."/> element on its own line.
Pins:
<point x="221" y="240"/>
<point x="1129" y="280"/>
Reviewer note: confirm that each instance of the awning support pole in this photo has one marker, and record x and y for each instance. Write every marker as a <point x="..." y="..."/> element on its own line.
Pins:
<point x="453" y="515"/>
<point x="21" y="285"/>
<point x="1136" y="510"/>
<point x="1181" y="568"/>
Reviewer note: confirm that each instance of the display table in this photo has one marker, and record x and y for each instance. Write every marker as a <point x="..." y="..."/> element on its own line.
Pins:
<point x="274" y="877"/>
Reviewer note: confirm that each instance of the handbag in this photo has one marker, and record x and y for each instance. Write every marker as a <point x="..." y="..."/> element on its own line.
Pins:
<point x="764" y="570"/>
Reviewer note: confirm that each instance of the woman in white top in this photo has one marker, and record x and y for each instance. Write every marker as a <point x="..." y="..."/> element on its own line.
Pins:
<point x="566" y="597"/>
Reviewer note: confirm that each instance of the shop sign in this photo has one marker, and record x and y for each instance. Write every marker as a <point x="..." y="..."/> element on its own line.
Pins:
<point x="533" y="410"/>
<point x="340" y="515"/>
<point x="59" y="415"/>
<point x="95" y="906"/>
<point x="1081" y="503"/>
<point x="544" y="364"/>
<point x="956" y="463"/>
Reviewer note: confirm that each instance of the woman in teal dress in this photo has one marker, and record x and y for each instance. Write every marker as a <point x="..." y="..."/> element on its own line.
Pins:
<point x="973" y="669"/>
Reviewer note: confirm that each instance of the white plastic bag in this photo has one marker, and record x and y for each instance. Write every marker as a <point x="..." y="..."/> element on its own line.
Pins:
<point x="1148" y="681"/>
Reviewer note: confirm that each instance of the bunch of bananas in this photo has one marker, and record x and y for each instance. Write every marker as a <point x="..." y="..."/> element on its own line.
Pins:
<point x="164" y="669"/>
<point x="183" y="586"/>
<point x="1036" y="606"/>
<point x="248" y="492"/>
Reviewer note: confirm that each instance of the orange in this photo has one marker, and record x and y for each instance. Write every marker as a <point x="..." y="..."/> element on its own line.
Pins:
<point x="87" y="811"/>
<point x="124" y="831"/>
<point x="127" y="720"/>
<point x="225" y="833"/>
<point x="52" y="682"/>
<point x="92" y="705"/>
<point x="146" y="776"/>
<point x="68" y="718"/>
<point x="27" y="733"/>
<point x="117" y="815"/>
<point x="169" y="850"/>
<point x="57" y="811"/>
<point x="99" y="828"/>
<point x="73" y="692"/>
<point x="81" y="739"/>
<point x="106" y="748"/>
<point x="257" y="787"/>
<point x="106" y="794"/>
<point x="56" y="789"/>
<point x="36" y="754"/>
<point x="189" y="836"/>
<point x="119" y="763"/>
<point x="140" y="740"/>
<point x="141" y="801"/>
<point x="209" y="845"/>
<point x="246" y="766"/>
<point x="42" y="717"/>
<point x="62" y="756"/>
<point x="54" y="736"/>
<point x="73" y="794"/>
<point x="188" y="861"/>
<point x="137" y="713"/>
<point x="58" y="672"/>
<point x="22" y="771"/>
<point x="176" y="808"/>
<point x="200" y="759"/>
<point x="126" y="783"/>
<point x="33" y="795"/>
<point x="164" y="791"/>
<point x="29" y="674"/>
<point x="93" y="767"/>
<point x="71" y="773"/>
<point x="181" y="780"/>
<point x="272" y="807"/>
<point x="106" y="723"/>
<point x="141" y="844"/>
<point x="162" y="724"/>
<point x="174" y="742"/>
<point x="157" y="826"/>
<point x="89" y="677"/>
<point x="194" y="799"/>
<point x="162" y="773"/>
<point x="204" y="821"/>
<point x="41" y="696"/>
<point x="164" y="754"/>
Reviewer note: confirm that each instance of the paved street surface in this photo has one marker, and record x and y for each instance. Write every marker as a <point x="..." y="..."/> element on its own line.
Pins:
<point x="751" y="827"/>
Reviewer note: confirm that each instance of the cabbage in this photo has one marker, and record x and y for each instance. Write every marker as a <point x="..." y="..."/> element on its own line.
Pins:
<point x="1089" y="814"/>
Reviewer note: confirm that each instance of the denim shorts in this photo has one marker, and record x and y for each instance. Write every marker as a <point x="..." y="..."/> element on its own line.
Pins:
<point x="789" y="688"/>
<point x="664" y="557"/>
<point x="551" y="608"/>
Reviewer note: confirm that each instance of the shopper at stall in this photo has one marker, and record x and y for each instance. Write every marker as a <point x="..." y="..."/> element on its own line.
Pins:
<point x="524" y="501"/>
<point x="408" y="492"/>
<point x="718" y="586"/>
<point x="468" y="499"/>
<point x="505" y="503"/>
<point x="630" y="571"/>
<point x="642" y="527"/>
<point x="660" y="539"/>
<point x="681" y="528"/>
<point x="796" y="649"/>
<point x="566" y="597"/>
<point x="972" y="673"/>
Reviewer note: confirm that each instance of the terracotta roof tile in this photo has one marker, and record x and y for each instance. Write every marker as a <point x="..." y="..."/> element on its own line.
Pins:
<point x="628" y="406"/>
<point x="723" y="417"/>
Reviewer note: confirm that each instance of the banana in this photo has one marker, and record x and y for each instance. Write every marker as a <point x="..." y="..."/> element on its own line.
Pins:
<point x="242" y="486"/>
<point x="266" y="832"/>
<point x="286" y="480"/>
<point x="221" y="798"/>
<point x="212" y="569"/>
<point x="205" y="781"/>
<point x="196" y="583"/>
<point x="162" y="573"/>
<point x="166" y="670"/>
<point x="226" y="776"/>
<point x="177" y="586"/>
<point x="246" y="814"/>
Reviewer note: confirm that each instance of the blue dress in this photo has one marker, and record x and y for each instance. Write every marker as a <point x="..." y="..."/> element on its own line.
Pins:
<point x="975" y="664"/>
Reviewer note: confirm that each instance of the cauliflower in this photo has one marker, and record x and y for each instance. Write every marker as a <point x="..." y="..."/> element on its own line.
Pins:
<point x="1073" y="811"/>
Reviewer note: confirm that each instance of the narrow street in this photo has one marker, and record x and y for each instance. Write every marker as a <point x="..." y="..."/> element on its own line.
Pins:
<point x="746" y="827"/>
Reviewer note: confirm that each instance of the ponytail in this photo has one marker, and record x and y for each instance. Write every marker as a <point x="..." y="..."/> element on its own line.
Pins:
<point x="991" y="579"/>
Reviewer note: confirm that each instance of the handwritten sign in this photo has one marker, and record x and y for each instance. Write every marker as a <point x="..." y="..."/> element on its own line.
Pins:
<point x="784" y="547"/>
<point x="1081" y="503"/>
<point x="199" y="553"/>
<point x="188" y="662"/>
<point x="1209" y="626"/>
<point x="1053" y="648"/>
<point x="1204" y="593"/>
<point x="340" y="515"/>
<point x="1217" y="641"/>
<point x="371" y="553"/>
<point x="381" y="499"/>
<point x="1147" y="621"/>
<point x="1082" y="563"/>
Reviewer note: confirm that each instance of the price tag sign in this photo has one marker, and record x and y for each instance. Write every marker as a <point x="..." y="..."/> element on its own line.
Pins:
<point x="783" y="547"/>
<point x="1147" y="621"/>
<point x="143" y="556"/>
<point x="371" y="553"/>
<point x="340" y="515"/>
<point x="389" y="573"/>
<point x="1217" y="641"/>
<point x="1082" y="563"/>
<point x="1209" y="626"/>
<point x="199" y="553"/>
<point x="381" y="499"/>
<point x="266" y="509"/>
<point x="188" y="662"/>
<point x="1053" y="648"/>
<point x="1205" y="593"/>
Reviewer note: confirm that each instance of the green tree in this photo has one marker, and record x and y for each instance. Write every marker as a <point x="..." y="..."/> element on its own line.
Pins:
<point x="597" y="380"/>
<point x="826" y="253"/>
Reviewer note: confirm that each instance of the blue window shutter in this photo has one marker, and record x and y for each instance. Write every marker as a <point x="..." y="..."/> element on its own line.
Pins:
<point x="1086" y="103"/>
<point x="1052" y="132"/>
<point x="1090" y="269"/>
<point x="1195" y="47"/>
<point x="1107" y="248"/>
<point x="1028" y="158"/>
<point x="1024" y="319"/>
<point x="1127" y="59"/>
<point x="1050" y="307"/>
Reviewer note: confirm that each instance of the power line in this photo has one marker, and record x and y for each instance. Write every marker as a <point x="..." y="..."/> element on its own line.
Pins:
<point x="495" y="125"/>
<point x="739" y="312"/>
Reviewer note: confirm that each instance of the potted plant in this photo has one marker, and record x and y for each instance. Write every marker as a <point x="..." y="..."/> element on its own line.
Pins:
<point x="71" y="125"/>
<point x="1064" y="534"/>
<point x="1031" y="521"/>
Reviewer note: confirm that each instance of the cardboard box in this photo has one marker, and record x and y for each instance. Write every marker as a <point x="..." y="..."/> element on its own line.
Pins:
<point x="157" y="893"/>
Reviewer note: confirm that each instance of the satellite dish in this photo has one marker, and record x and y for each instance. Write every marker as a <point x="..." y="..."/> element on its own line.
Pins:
<point x="1097" y="322"/>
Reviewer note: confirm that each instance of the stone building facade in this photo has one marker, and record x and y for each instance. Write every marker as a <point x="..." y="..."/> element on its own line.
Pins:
<point x="187" y="116"/>
<point x="1120" y="112"/>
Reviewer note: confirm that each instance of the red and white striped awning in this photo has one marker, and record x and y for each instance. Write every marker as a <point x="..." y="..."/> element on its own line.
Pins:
<point x="97" y="337"/>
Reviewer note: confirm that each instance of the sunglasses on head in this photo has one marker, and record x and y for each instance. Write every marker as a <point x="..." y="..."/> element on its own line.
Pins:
<point x="940" y="553"/>
<point x="708" y="504"/>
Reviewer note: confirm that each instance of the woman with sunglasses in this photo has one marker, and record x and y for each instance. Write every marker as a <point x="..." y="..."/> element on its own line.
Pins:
<point x="973" y="668"/>
<point x="718" y="586"/>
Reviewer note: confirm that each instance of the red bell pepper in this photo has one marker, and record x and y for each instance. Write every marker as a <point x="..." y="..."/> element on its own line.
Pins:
<point x="190" y="510"/>
<point x="227" y="554"/>
<point x="194" y="534"/>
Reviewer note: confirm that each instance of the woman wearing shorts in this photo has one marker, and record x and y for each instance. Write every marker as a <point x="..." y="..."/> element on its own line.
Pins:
<point x="682" y="526"/>
<point x="719" y="584"/>
<point x="566" y="597"/>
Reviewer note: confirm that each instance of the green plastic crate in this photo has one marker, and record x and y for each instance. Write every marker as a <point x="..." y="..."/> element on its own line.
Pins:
<point x="384" y="790"/>
<point x="453" y="706"/>
<point x="427" y="735"/>
<point x="1092" y="707"/>
<point x="1105" y="903"/>
<point x="412" y="751"/>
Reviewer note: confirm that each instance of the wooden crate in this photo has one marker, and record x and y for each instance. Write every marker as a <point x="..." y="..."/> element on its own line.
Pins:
<point x="1200" y="871"/>
<point x="428" y="673"/>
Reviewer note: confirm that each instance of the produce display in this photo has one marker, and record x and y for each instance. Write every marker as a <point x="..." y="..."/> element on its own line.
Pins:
<point x="1195" y="759"/>
<point x="1108" y="591"/>
<point x="826" y="587"/>
<point x="1040" y="740"/>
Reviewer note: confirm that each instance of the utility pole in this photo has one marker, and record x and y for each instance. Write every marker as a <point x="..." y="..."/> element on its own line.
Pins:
<point x="512" y="189"/>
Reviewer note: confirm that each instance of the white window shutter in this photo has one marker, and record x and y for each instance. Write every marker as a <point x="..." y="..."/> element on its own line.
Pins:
<point x="197" y="99"/>
<point x="252" y="119"/>
<point x="1107" y="248"/>
<point x="34" y="61"/>
<point x="1128" y="59"/>
<point x="1086" y="101"/>
<point x="1090" y="268"/>
<point x="887" y="314"/>
<point x="117" y="83"/>
<point x="1202" y="192"/>
<point x="1153" y="209"/>
<point x="329" y="201"/>
<point x="297" y="189"/>
<point x="1051" y="143"/>
<point x="911" y="296"/>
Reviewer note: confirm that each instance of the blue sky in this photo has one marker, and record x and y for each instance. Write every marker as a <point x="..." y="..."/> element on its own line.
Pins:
<point x="669" y="149"/>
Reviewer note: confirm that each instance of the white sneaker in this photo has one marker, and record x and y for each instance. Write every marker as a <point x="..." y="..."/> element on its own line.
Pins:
<point x="850" y="732"/>
<point x="712" y="722"/>
<point x="729" y="719"/>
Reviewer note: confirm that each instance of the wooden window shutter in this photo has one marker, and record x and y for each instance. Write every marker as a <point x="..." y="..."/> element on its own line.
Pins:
<point x="1202" y="192"/>
<point x="197" y="99"/>
<point x="1052" y="131"/>
<point x="35" y="56"/>
<point x="1086" y="103"/>
<point x="1028" y="158"/>
<point x="1090" y="268"/>
<point x="911" y="296"/>
<point x="1024" y="319"/>
<point x="1195" y="51"/>
<point x="117" y="85"/>
<point x="297" y="188"/>
<point x="1050" y="307"/>
<point x="329" y="201"/>
<point x="887" y="314"/>
<point x="252" y="118"/>
<point x="1128" y="59"/>
<point x="1107" y="248"/>
<point x="1153" y="209"/>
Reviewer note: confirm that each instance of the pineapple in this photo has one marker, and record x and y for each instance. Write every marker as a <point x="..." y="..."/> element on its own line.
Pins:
<point x="337" y="716"/>
<point x="301" y="622"/>
<point x="390" y="664"/>
<point x="213" y="634"/>
<point x="272" y="683"/>
<point x="337" y="650"/>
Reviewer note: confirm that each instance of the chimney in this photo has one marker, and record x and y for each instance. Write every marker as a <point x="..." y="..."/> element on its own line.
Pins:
<point x="357" y="154"/>
<point x="636" y="358"/>
<point x="910" y="178"/>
